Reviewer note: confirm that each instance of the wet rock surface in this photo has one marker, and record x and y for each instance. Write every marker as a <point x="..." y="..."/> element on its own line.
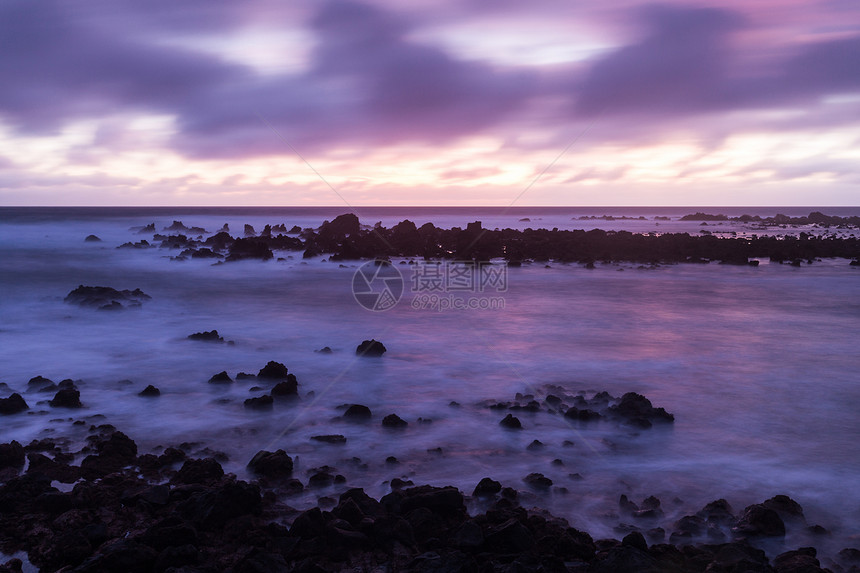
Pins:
<point x="198" y="518"/>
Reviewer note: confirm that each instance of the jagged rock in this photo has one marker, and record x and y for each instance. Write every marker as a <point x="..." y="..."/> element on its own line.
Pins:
<point x="511" y="422"/>
<point x="221" y="378"/>
<point x="210" y="336"/>
<point x="150" y="391"/>
<point x="102" y="297"/>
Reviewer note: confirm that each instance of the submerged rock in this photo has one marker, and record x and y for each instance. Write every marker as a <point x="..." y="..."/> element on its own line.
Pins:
<point x="150" y="391"/>
<point x="211" y="336"/>
<point x="394" y="421"/>
<point x="263" y="402"/>
<point x="106" y="297"/>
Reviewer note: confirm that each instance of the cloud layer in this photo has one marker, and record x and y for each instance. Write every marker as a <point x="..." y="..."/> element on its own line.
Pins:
<point x="370" y="78"/>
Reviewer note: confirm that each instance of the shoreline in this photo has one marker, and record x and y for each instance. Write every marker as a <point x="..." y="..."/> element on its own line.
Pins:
<point x="137" y="512"/>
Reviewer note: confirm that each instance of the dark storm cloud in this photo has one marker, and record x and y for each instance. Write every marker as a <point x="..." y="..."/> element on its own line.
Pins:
<point x="688" y="63"/>
<point x="59" y="65"/>
<point x="366" y="83"/>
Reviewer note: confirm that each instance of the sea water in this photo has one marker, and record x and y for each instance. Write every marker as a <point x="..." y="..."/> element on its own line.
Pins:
<point x="758" y="365"/>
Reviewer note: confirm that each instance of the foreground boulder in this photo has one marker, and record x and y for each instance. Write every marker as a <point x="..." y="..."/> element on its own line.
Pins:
<point x="106" y="298"/>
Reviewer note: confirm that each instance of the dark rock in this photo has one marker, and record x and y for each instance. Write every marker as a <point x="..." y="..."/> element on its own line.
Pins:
<point x="40" y="384"/>
<point x="469" y="535"/>
<point x="446" y="501"/>
<point x="718" y="511"/>
<point x="99" y="297"/>
<point x="538" y="481"/>
<point x="330" y="438"/>
<point x="511" y="422"/>
<point x="249" y="249"/>
<point x="11" y="455"/>
<point x="210" y="336"/>
<point x="627" y="506"/>
<point x="357" y="413"/>
<point x="582" y="414"/>
<point x="13" y="404"/>
<point x="799" y="561"/>
<point x="509" y="537"/>
<point x="487" y="488"/>
<point x="263" y="402"/>
<point x="150" y="391"/>
<point x="635" y="406"/>
<point x="67" y="398"/>
<point x="624" y="559"/>
<point x="394" y="421"/>
<point x="760" y="521"/>
<point x="273" y="371"/>
<point x="786" y="507"/>
<point x="341" y="226"/>
<point x="62" y="472"/>
<point x="205" y="471"/>
<point x="288" y="387"/>
<point x="211" y="509"/>
<point x="221" y="378"/>
<point x="324" y="350"/>
<point x="272" y="465"/>
<point x="92" y="239"/>
<point x="370" y="348"/>
<point x="320" y="479"/>
<point x="120" y="556"/>
<point x="635" y="539"/>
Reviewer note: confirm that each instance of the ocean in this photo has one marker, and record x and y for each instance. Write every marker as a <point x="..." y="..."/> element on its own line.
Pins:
<point x="759" y="365"/>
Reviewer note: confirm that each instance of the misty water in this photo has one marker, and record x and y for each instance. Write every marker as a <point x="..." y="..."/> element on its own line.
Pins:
<point x="758" y="365"/>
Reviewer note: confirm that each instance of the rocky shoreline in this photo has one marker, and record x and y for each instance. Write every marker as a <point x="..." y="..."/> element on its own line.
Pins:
<point x="344" y="238"/>
<point x="128" y="512"/>
<point x="108" y="507"/>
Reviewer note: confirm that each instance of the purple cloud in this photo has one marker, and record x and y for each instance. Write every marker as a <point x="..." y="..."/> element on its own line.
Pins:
<point x="688" y="63"/>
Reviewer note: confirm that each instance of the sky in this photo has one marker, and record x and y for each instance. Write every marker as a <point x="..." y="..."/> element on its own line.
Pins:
<point x="442" y="102"/>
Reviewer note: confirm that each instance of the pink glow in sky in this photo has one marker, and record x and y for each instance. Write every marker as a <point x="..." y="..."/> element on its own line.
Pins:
<point x="210" y="102"/>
